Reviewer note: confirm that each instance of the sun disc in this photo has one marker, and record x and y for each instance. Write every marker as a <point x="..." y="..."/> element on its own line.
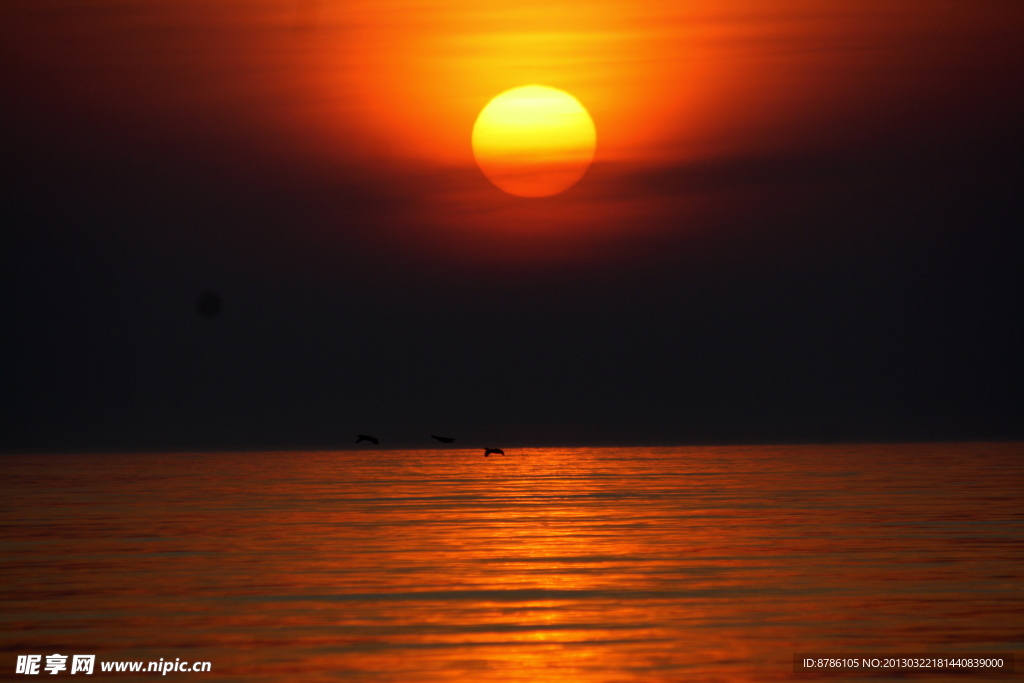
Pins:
<point x="534" y="141"/>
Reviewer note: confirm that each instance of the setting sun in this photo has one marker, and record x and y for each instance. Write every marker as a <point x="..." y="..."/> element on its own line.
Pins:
<point x="534" y="141"/>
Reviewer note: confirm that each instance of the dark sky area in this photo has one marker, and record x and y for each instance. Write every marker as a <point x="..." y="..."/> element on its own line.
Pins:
<point x="865" y="285"/>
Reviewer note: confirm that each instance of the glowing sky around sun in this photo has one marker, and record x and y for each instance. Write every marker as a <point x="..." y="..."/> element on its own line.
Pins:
<point x="405" y="79"/>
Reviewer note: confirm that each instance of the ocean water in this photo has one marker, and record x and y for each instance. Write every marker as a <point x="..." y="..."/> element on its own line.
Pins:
<point x="581" y="565"/>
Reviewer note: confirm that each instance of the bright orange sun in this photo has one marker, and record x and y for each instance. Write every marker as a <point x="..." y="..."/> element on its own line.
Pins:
<point x="534" y="141"/>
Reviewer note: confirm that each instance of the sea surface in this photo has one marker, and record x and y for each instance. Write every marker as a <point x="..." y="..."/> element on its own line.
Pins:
<point x="543" y="565"/>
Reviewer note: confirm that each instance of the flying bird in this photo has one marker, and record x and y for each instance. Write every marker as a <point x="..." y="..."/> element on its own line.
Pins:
<point x="442" y="439"/>
<point x="367" y="437"/>
<point x="488" y="451"/>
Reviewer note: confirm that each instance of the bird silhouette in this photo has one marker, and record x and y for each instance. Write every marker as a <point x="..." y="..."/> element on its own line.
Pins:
<point x="488" y="451"/>
<point x="367" y="437"/>
<point x="442" y="439"/>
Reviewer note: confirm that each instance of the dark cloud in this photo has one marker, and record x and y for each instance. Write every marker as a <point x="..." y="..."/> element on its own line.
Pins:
<point x="799" y="300"/>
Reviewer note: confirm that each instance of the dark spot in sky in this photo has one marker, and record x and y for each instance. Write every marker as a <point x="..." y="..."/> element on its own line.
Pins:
<point x="209" y="305"/>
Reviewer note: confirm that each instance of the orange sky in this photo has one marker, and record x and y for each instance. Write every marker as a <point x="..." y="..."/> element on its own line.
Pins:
<point x="390" y="90"/>
<point x="406" y="78"/>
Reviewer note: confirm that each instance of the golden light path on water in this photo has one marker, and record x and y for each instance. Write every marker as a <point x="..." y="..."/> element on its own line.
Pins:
<point x="579" y="565"/>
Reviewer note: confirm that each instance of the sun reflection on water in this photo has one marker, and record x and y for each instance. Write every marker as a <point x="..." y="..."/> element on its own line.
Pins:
<point x="546" y="565"/>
